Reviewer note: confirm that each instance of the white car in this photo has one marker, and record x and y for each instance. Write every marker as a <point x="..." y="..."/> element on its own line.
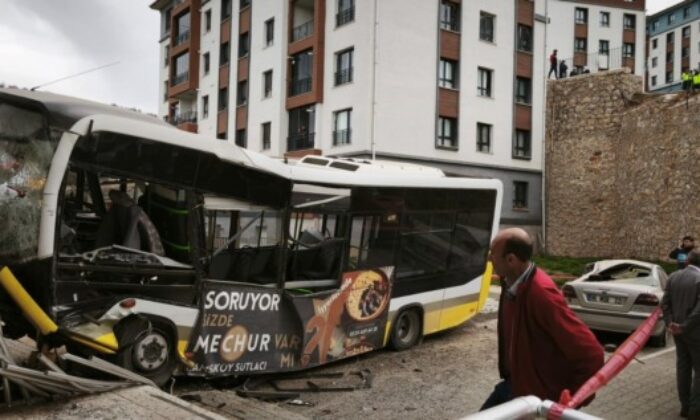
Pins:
<point x="617" y="295"/>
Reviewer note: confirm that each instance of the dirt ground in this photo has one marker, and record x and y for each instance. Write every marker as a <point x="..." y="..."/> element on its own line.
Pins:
<point x="449" y="375"/>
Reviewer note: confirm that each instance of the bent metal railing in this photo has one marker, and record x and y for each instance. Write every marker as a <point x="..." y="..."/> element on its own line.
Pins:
<point x="565" y="409"/>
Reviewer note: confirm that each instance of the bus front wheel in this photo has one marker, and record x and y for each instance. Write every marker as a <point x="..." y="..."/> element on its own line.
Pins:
<point x="149" y="352"/>
<point x="407" y="329"/>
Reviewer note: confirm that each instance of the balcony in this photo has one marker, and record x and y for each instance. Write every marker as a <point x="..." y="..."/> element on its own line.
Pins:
<point x="184" y="117"/>
<point x="297" y="87"/>
<point x="343" y="76"/>
<point x="180" y="78"/>
<point x="300" y="142"/>
<point x="341" y="137"/>
<point x="345" y="16"/>
<point x="182" y="38"/>
<point x="302" y="31"/>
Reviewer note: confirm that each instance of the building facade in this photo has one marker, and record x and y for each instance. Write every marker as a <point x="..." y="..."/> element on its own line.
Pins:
<point x="673" y="45"/>
<point x="458" y="85"/>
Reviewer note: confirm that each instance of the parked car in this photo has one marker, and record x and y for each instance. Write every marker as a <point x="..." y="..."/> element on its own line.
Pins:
<point x="617" y="295"/>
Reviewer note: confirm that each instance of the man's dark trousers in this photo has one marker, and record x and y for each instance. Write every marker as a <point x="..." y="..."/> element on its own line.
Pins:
<point x="688" y="373"/>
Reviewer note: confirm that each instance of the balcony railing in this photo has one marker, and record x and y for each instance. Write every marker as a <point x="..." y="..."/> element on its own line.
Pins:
<point x="182" y="37"/>
<point x="302" y="31"/>
<point x="599" y="61"/>
<point x="180" y="78"/>
<point x="185" y="117"/>
<point x="300" y="142"/>
<point x="297" y="87"/>
<point x="342" y="137"/>
<point x="345" y="16"/>
<point x="343" y="76"/>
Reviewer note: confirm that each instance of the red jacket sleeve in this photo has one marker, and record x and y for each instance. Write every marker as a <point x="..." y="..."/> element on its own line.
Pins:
<point x="569" y="333"/>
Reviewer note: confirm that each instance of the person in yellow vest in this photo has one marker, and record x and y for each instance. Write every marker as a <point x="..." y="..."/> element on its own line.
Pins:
<point x="696" y="80"/>
<point x="686" y="78"/>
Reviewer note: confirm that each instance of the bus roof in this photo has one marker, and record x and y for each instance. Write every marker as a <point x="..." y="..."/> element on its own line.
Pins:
<point x="69" y="113"/>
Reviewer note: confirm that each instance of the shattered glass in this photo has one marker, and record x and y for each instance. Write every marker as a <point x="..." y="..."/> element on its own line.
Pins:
<point x="26" y="150"/>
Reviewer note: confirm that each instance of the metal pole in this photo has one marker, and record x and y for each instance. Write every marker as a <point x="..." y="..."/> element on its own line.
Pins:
<point x="519" y="407"/>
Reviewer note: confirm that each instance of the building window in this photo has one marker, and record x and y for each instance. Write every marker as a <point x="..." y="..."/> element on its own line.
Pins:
<point x="167" y="55"/>
<point x="581" y="15"/>
<point x="205" y="106"/>
<point x="243" y="45"/>
<point x="605" y="19"/>
<point x="685" y="52"/>
<point x="686" y="12"/>
<point x="520" y="195"/>
<point x="301" y="80"/>
<point x="653" y="80"/>
<point x="207" y="20"/>
<point x="244" y="4"/>
<point x="265" y="128"/>
<point x="343" y="66"/>
<point x="669" y="38"/>
<point x="183" y="28"/>
<point x="206" y="63"/>
<point x="670" y="18"/>
<point x="224" y="53"/>
<point x="449" y="16"/>
<point x="521" y="144"/>
<point x="447" y="133"/>
<point x="342" y="132"/>
<point x="167" y="15"/>
<point x="627" y="50"/>
<point x="654" y="43"/>
<point x="483" y="138"/>
<point x="486" y="26"/>
<point x="241" y="138"/>
<point x="242" y="93"/>
<point x="225" y="9"/>
<point x="669" y="76"/>
<point x="669" y="57"/>
<point x="629" y="21"/>
<point x="484" y="82"/>
<point x="524" y="38"/>
<point x="346" y="12"/>
<point x="165" y="91"/>
<point x="267" y="84"/>
<point x="223" y="99"/>
<point x="448" y="71"/>
<point x="580" y="45"/>
<point x="269" y="31"/>
<point x="654" y="62"/>
<point x="603" y="47"/>
<point x="181" y="70"/>
<point x="221" y="136"/>
<point x="686" y="32"/>
<point x="522" y="90"/>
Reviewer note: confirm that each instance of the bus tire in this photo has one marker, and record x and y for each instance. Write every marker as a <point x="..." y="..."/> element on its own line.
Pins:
<point x="406" y="331"/>
<point x="148" y="350"/>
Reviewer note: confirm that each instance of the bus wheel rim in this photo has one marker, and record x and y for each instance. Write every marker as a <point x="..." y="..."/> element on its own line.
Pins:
<point x="151" y="352"/>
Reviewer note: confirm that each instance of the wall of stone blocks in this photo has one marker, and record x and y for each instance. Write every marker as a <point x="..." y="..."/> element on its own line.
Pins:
<point x="620" y="168"/>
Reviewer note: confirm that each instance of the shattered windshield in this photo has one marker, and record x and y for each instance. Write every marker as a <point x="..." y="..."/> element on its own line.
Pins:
<point x="26" y="150"/>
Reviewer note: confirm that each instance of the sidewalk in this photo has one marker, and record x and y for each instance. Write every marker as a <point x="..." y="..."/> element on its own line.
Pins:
<point x="642" y="391"/>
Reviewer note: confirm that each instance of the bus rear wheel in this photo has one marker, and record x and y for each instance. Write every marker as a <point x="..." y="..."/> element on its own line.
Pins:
<point x="407" y="329"/>
<point x="150" y="352"/>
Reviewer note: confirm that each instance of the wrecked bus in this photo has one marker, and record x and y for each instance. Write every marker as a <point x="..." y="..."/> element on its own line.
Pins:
<point x="168" y="252"/>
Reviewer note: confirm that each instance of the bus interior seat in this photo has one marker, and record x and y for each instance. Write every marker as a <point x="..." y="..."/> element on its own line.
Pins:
<point x="324" y="261"/>
<point x="126" y="224"/>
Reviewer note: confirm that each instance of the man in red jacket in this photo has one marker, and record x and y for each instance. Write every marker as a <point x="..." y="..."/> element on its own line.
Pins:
<point x="543" y="348"/>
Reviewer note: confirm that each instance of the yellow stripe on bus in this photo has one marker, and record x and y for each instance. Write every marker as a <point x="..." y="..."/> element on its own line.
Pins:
<point x="485" y="285"/>
<point x="27" y="304"/>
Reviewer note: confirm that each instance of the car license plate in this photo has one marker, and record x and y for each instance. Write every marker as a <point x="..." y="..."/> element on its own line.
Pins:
<point x="615" y="300"/>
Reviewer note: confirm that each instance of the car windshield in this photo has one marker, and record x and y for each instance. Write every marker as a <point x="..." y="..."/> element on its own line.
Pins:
<point x="626" y="273"/>
<point x="26" y="150"/>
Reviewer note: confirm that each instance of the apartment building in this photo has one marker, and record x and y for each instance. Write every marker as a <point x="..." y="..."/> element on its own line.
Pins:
<point x="457" y="85"/>
<point x="673" y="45"/>
<point x="597" y="35"/>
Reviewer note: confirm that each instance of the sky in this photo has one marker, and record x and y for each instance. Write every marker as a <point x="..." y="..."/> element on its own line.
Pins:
<point x="45" y="40"/>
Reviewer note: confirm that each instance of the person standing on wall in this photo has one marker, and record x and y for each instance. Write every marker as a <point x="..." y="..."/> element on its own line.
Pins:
<point x="543" y="347"/>
<point x="553" y="65"/>
<point x="562" y="69"/>
<point x="681" y="308"/>
<point x="680" y="254"/>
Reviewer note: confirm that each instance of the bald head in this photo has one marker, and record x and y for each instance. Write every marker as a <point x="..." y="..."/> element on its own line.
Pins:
<point x="511" y="251"/>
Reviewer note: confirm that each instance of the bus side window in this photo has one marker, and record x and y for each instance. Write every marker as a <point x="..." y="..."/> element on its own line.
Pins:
<point x="317" y="244"/>
<point x="425" y="243"/>
<point x="471" y="240"/>
<point x="373" y="240"/>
